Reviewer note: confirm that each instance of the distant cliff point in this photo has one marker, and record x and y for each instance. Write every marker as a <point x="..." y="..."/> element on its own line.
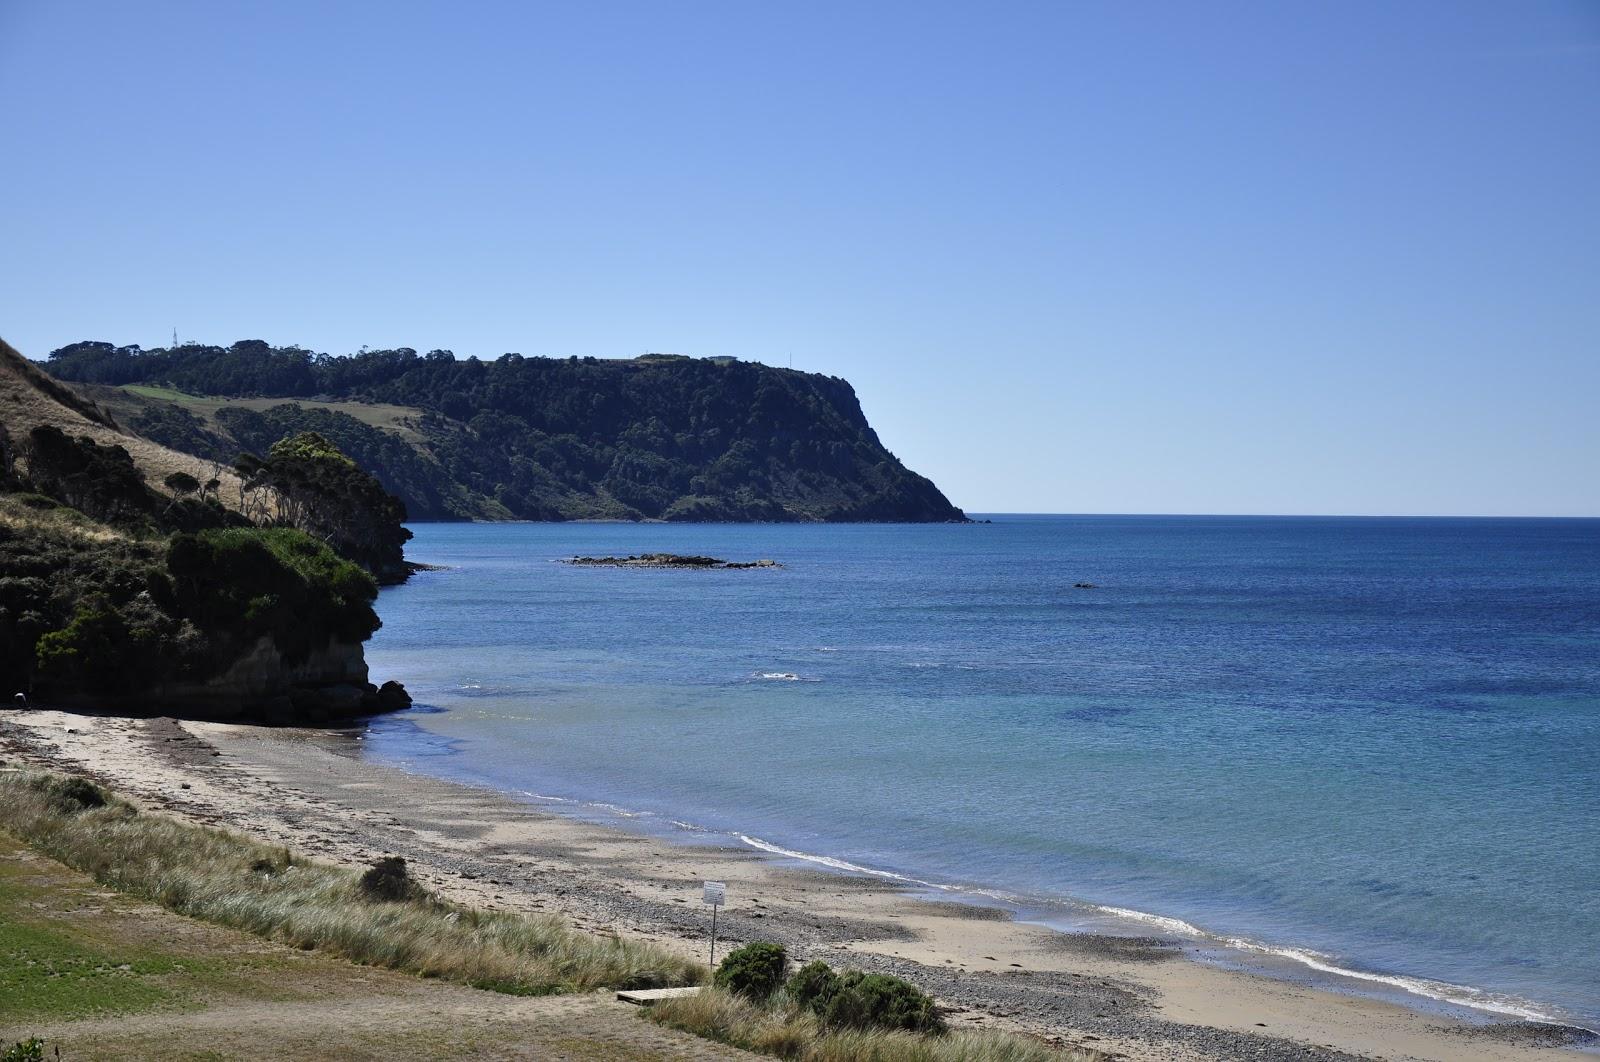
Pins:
<point x="661" y="437"/>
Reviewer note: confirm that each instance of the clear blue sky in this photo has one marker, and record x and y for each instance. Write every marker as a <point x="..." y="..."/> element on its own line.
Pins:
<point x="1078" y="257"/>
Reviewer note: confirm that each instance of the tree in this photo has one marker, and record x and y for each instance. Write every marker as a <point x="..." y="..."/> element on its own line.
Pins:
<point x="7" y="458"/>
<point x="181" y="484"/>
<point x="322" y="492"/>
<point x="101" y="481"/>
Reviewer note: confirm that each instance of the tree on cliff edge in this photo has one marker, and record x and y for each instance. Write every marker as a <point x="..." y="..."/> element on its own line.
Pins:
<point x="322" y="492"/>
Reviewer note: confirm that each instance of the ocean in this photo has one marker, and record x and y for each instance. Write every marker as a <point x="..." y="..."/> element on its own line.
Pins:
<point x="1364" y="749"/>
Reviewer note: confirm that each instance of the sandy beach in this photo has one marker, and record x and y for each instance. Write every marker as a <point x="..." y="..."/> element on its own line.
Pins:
<point x="1138" y="998"/>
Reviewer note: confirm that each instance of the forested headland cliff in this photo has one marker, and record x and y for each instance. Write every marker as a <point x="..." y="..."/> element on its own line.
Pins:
<point x="661" y="437"/>
<point x="137" y="577"/>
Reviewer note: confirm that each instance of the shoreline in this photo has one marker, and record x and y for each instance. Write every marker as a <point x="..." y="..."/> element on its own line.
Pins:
<point x="1231" y="950"/>
<point x="1128" y="995"/>
<point x="1074" y="917"/>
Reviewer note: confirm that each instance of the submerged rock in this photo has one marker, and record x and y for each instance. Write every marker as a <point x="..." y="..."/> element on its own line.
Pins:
<point x="669" y="560"/>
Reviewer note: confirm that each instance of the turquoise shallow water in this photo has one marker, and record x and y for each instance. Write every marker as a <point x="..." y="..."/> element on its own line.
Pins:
<point x="1368" y="744"/>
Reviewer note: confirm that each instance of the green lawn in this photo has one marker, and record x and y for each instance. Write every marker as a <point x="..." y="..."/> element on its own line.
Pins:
<point x="69" y="949"/>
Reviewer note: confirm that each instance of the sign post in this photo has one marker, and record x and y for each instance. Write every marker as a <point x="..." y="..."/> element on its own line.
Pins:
<point x="716" y="894"/>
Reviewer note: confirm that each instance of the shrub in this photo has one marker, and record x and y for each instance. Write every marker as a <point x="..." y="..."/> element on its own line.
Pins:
<point x="789" y="1033"/>
<point x="879" y="1001"/>
<point x="76" y="794"/>
<point x="99" y="651"/>
<point x="813" y="986"/>
<point x="388" y="881"/>
<point x="754" y="971"/>
<point x="24" y="1051"/>
<point x="39" y="502"/>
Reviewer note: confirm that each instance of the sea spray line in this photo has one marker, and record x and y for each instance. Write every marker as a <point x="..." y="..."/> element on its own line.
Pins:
<point x="836" y="864"/>
<point x="1440" y="991"/>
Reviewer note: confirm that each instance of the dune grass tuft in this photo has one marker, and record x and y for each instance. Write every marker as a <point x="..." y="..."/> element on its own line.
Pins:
<point x="782" y="1028"/>
<point x="221" y="877"/>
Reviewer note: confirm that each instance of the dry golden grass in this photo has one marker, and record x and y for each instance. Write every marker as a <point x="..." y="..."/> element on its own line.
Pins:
<point x="400" y="420"/>
<point x="783" y="1030"/>
<point x="16" y="513"/>
<point x="29" y="397"/>
<point x="221" y="877"/>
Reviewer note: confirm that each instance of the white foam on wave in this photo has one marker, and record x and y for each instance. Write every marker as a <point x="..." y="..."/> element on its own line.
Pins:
<point x="1439" y="991"/>
<point x="835" y="864"/>
<point x="778" y="676"/>
<point x="622" y="812"/>
<point x="1171" y="925"/>
<point x="542" y="796"/>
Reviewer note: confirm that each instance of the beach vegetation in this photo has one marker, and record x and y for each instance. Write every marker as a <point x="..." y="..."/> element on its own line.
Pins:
<point x="29" y="1050"/>
<point x="388" y="881"/>
<point x="853" y="999"/>
<point x="73" y="794"/>
<point x="221" y="877"/>
<point x="813" y="985"/>
<point x="754" y="970"/>
<point x="877" y="1001"/>
<point x="782" y="1028"/>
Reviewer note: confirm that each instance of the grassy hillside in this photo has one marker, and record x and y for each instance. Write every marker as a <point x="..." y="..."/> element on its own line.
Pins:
<point x="653" y="438"/>
<point x="384" y="439"/>
<point x="30" y="398"/>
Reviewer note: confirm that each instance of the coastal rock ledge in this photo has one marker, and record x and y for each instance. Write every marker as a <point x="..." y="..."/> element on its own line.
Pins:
<point x="261" y="685"/>
<point x="669" y="560"/>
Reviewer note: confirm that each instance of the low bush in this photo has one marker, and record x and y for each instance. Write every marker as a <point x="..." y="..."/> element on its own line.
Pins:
<point x="783" y="1030"/>
<point x="813" y="986"/>
<point x="387" y="881"/>
<point x="76" y="794"/>
<point x="24" y="1051"/>
<point x="879" y="1001"/>
<point x="860" y="1000"/>
<point x="754" y="971"/>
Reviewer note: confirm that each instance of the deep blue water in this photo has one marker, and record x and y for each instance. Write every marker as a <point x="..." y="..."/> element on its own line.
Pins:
<point x="1373" y="742"/>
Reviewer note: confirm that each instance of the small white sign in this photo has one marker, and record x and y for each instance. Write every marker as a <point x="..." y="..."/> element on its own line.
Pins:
<point x="716" y="893"/>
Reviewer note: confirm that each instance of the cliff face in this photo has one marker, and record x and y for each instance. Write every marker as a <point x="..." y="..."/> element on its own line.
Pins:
<point x="652" y="438"/>
<point x="261" y="684"/>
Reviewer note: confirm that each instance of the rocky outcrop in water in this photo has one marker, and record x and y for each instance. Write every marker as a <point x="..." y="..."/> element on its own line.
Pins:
<point x="669" y="560"/>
